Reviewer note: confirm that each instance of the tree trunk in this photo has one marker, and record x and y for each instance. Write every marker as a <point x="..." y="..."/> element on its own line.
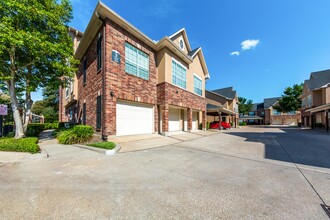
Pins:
<point x="28" y="102"/>
<point x="19" y="133"/>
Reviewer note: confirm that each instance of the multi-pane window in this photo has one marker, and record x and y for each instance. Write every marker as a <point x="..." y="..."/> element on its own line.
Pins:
<point x="98" y="112"/>
<point x="303" y="103"/>
<point x="309" y="101"/>
<point x="275" y="112"/>
<point x="99" y="53"/>
<point x="85" y="71"/>
<point x="136" y="62"/>
<point x="197" y="85"/>
<point x="178" y="74"/>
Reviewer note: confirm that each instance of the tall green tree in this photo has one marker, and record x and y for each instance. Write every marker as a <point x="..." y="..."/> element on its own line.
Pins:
<point x="244" y="106"/>
<point x="35" y="49"/>
<point x="290" y="100"/>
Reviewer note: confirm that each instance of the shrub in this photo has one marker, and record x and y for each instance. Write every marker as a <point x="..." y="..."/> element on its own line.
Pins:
<point x="33" y="130"/>
<point x="75" y="135"/>
<point x="243" y="123"/>
<point x="19" y="145"/>
<point x="51" y="126"/>
<point x="207" y="125"/>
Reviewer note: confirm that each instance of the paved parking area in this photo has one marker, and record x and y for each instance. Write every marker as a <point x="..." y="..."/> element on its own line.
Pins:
<point x="247" y="173"/>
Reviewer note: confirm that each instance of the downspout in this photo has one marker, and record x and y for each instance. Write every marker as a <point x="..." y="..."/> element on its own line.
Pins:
<point x="103" y="102"/>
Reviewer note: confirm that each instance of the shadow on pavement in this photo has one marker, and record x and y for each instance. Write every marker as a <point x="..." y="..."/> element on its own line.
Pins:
<point x="302" y="146"/>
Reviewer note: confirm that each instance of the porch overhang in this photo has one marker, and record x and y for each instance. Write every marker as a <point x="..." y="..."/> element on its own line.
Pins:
<point x="216" y="110"/>
<point x="319" y="108"/>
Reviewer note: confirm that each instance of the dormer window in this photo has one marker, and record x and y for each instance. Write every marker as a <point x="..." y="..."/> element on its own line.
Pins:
<point x="181" y="44"/>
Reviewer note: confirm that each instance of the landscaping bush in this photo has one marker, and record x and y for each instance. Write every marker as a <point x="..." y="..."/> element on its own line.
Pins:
<point x="19" y="145"/>
<point x="33" y="130"/>
<point x="75" y="135"/>
<point x="242" y="123"/>
<point x="207" y="125"/>
<point x="51" y="126"/>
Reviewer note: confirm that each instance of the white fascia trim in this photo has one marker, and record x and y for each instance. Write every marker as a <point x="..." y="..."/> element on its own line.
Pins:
<point x="182" y="29"/>
<point x="198" y="77"/>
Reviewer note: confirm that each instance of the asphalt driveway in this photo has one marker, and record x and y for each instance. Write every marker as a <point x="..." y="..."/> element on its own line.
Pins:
<point x="248" y="173"/>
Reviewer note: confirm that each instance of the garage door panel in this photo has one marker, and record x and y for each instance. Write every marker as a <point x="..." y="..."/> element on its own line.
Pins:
<point x="174" y="119"/>
<point x="195" y="121"/>
<point x="277" y="122"/>
<point x="292" y="122"/>
<point x="134" y="118"/>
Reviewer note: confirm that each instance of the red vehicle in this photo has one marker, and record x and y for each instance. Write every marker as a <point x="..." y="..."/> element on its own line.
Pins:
<point x="215" y="125"/>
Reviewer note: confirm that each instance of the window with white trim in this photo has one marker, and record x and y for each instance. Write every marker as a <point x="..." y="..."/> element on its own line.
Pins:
<point x="309" y="101"/>
<point x="136" y="62"/>
<point x="178" y="74"/>
<point x="197" y="85"/>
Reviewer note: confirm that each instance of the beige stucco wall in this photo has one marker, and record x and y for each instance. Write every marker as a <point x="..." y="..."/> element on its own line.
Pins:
<point x="317" y="98"/>
<point x="327" y="95"/>
<point x="164" y="68"/>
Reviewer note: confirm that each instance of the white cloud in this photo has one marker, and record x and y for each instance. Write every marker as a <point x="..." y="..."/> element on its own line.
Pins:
<point x="249" y="44"/>
<point x="234" y="53"/>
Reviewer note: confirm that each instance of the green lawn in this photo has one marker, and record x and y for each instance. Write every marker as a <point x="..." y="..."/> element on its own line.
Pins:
<point x="29" y="145"/>
<point x="104" y="145"/>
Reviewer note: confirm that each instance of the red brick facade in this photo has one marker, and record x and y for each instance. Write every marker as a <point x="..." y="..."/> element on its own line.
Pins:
<point x="169" y="94"/>
<point x="113" y="79"/>
<point x="113" y="84"/>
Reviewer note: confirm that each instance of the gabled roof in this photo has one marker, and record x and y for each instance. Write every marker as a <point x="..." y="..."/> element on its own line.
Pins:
<point x="228" y="92"/>
<point x="318" y="79"/>
<point x="102" y="11"/>
<point x="185" y="37"/>
<point x="269" y="102"/>
<point x="257" y="106"/>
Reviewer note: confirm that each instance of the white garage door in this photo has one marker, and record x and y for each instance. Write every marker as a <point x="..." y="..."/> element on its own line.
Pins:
<point x="194" y="120"/>
<point x="277" y="122"/>
<point x="174" y="119"/>
<point x="292" y="122"/>
<point x="134" y="118"/>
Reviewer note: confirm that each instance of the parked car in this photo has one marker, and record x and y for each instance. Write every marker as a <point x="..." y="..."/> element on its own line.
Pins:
<point x="215" y="125"/>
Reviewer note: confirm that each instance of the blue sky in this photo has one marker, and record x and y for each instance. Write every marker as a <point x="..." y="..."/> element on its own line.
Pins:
<point x="259" y="47"/>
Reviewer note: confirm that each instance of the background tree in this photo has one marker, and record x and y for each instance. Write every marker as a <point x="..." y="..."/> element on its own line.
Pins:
<point x="245" y="105"/>
<point x="35" y="49"/>
<point x="290" y="100"/>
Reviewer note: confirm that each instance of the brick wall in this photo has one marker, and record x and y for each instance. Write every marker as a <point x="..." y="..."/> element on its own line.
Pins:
<point x="173" y="95"/>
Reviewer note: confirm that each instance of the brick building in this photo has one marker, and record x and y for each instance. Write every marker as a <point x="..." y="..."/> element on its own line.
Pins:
<point x="129" y="84"/>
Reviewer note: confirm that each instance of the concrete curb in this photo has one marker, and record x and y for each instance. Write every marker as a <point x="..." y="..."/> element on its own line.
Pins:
<point x="113" y="151"/>
<point x="100" y="150"/>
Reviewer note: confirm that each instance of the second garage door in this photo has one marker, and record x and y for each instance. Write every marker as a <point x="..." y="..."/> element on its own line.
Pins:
<point x="174" y="119"/>
<point x="277" y="122"/>
<point x="292" y="122"/>
<point x="134" y="118"/>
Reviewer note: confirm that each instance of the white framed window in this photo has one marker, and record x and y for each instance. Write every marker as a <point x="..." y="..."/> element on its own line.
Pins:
<point x="198" y="85"/>
<point x="136" y="62"/>
<point x="275" y="112"/>
<point x="179" y="77"/>
<point x="309" y="101"/>
<point x="303" y="103"/>
<point x="67" y="92"/>
<point x="181" y="43"/>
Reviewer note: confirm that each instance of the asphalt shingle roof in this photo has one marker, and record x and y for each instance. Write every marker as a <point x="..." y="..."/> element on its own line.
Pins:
<point x="226" y="92"/>
<point x="270" y="102"/>
<point x="318" y="79"/>
<point x="191" y="53"/>
<point x="257" y="106"/>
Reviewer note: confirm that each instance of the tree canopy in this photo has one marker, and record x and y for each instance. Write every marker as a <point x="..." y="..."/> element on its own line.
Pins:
<point x="35" y="49"/>
<point x="290" y="100"/>
<point x="244" y="106"/>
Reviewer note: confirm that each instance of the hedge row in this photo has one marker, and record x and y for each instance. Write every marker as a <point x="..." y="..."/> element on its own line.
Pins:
<point x="19" y="145"/>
